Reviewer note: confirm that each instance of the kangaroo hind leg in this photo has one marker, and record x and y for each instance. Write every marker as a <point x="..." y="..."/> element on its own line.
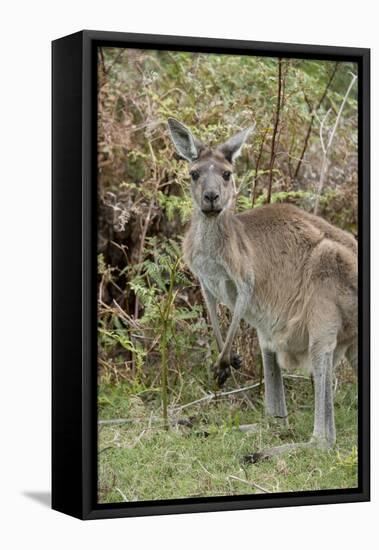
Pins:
<point x="275" y="401"/>
<point x="322" y="352"/>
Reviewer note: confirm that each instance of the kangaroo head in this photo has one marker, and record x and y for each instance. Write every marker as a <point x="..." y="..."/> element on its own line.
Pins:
<point x="211" y="169"/>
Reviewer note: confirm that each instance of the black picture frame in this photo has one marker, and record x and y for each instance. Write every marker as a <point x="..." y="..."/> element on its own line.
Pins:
<point x="74" y="203"/>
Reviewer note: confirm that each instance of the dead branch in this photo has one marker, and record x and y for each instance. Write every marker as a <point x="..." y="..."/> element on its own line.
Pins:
<point x="122" y="494"/>
<point x="326" y="147"/>
<point x="279" y="102"/>
<point x="256" y="172"/>
<point x="250" y="483"/>
<point x="313" y="110"/>
<point x="212" y="396"/>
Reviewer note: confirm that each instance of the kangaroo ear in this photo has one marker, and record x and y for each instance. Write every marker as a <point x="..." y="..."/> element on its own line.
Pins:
<point x="186" y="145"/>
<point x="231" y="149"/>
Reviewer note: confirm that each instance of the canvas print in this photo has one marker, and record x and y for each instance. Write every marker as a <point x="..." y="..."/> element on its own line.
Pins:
<point x="227" y="310"/>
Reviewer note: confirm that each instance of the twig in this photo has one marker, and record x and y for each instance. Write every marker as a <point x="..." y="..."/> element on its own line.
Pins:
<point x="296" y="376"/>
<point x="326" y="148"/>
<point x="275" y="131"/>
<point x="115" y="421"/>
<point x="322" y="124"/>
<point x="340" y="110"/>
<point x="250" y="483"/>
<point x="206" y="398"/>
<point x="137" y="439"/>
<point x="149" y="217"/>
<point x="101" y="54"/>
<point x="122" y="494"/>
<point x="205" y="470"/>
<point x="115" y="60"/>
<point x="141" y="247"/>
<point x="309" y="131"/>
<point x="128" y="320"/>
<point x="105" y="449"/>
<point x="256" y="175"/>
<point x="212" y="396"/>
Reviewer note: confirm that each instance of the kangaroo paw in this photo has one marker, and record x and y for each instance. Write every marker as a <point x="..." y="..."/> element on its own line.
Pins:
<point x="236" y="361"/>
<point x="221" y="369"/>
<point x="221" y="374"/>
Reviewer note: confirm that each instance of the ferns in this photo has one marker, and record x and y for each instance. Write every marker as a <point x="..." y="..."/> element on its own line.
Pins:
<point x="168" y="323"/>
<point x="173" y="205"/>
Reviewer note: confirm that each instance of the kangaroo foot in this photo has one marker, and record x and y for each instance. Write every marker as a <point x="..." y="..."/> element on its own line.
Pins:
<point x="271" y="452"/>
<point x="321" y="443"/>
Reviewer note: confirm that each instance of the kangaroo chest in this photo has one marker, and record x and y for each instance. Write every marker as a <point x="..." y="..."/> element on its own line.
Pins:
<point x="272" y="326"/>
<point x="213" y="274"/>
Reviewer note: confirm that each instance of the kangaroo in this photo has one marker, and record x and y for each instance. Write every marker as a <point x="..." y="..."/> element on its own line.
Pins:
<point x="289" y="274"/>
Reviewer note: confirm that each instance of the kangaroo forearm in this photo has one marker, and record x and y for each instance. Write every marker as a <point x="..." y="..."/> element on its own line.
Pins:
<point x="218" y="335"/>
<point x="216" y="328"/>
<point x="239" y="310"/>
<point x="212" y="310"/>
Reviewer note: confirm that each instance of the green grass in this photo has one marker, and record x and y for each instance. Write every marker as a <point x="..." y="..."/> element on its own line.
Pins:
<point x="140" y="460"/>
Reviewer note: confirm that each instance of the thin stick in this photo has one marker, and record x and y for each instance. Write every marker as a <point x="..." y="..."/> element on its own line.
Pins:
<point x="321" y="100"/>
<point x="149" y="217"/>
<point x="275" y="131"/>
<point x="296" y="376"/>
<point x="256" y="176"/>
<point x="115" y="421"/>
<point x="122" y="494"/>
<point x="206" y="398"/>
<point x="212" y="396"/>
<point x="341" y="109"/>
<point x="250" y="483"/>
<point x="326" y="148"/>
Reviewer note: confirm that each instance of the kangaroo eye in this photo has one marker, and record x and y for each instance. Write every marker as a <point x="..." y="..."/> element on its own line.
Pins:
<point x="226" y="175"/>
<point x="194" y="175"/>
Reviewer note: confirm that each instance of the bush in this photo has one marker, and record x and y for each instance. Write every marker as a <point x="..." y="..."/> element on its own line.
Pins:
<point x="150" y="308"/>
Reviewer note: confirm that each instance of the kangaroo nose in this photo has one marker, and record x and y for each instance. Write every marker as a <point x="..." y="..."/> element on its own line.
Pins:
<point x="211" y="196"/>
